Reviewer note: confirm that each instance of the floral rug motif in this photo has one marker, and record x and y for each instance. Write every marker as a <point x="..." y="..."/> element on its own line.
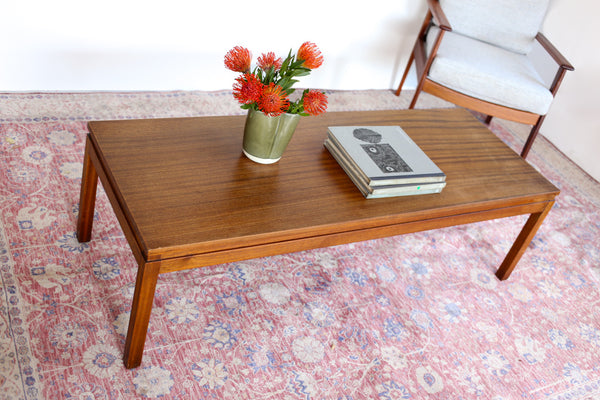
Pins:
<point x="418" y="316"/>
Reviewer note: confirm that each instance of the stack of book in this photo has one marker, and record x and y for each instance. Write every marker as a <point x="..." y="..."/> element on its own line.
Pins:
<point x="383" y="161"/>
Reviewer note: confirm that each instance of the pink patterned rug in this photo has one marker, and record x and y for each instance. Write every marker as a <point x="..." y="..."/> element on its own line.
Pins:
<point x="418" y="316"/>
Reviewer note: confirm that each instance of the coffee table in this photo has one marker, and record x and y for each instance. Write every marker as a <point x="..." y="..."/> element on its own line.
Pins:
<point x="186" y="197"/>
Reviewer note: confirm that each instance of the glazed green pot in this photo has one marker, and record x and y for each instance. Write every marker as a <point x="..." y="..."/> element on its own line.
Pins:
<point x="265" y="137"/>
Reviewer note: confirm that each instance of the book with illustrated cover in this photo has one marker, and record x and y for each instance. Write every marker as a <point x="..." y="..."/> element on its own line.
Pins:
<point x="384" y="155"/>
<point x="372" y="192"/>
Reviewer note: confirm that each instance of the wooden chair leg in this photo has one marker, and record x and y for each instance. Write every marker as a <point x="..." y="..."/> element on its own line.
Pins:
<point x="488" y="119"/>
<point x="418" y="90"/>
<point x="410" y="61"/>
<point x="415" y="97"/>
<point x="532" y="135"/>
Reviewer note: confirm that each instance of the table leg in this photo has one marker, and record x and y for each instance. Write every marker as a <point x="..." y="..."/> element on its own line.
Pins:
<point x="87" y="197"/>
<point x="522" y="241"/>
<point x="143" y="297"/>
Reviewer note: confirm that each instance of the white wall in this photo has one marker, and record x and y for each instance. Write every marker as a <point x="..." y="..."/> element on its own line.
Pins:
<point x="74" y="45"/>
<point x="180" y="44"/>
<point x="573" y="122"/>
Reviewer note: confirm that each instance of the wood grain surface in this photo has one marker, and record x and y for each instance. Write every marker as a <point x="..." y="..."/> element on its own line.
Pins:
<point x="186" y="188"/>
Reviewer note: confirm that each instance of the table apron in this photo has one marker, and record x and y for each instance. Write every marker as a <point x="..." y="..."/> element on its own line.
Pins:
<point x="333" y="239"/>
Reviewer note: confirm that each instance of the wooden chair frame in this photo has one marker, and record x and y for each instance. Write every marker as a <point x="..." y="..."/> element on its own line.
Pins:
<point x="423" y="63"/>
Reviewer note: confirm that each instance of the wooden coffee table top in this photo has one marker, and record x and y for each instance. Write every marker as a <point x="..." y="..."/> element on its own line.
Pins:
<point x="185" y="188"/>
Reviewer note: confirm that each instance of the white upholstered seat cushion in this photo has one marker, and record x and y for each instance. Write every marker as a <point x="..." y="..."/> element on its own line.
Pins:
<point x="487" y="72"/>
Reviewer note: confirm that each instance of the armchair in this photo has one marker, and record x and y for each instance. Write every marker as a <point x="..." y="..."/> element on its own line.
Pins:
<point x="474" y="53"/>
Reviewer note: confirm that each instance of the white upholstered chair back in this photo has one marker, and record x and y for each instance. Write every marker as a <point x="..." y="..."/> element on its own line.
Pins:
<point x="511" y="24"/>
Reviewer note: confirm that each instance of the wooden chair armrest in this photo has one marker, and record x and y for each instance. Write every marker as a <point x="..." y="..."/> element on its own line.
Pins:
<point x="438" y="15"/>
<point x="554" y="53"/>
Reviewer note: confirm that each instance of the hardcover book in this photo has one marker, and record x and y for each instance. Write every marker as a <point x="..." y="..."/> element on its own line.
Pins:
<point x="384" y="155"/>
<point x="372" y="192"/>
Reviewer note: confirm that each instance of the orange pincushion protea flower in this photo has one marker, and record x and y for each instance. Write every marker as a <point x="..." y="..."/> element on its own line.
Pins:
<point x="268" y="60"/>
<point x="273" y="100"/>
<point x="247" y="89"/>
<point x="310" y="53"/>
<point x="266" y="87"/>
<point x="315" y="102"/>
<point x="238" y="59"/>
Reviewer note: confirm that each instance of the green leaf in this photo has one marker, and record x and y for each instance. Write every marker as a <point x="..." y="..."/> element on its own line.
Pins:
<point x="287" y="61"/>
<point x="270" y="76"/>
<point x="284" y="82"/>
<point x="301" y="72"/>
<point x="297" y="64"/>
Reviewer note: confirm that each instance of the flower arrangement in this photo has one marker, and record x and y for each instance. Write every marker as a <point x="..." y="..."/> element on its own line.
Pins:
<point x="268" y="86"/>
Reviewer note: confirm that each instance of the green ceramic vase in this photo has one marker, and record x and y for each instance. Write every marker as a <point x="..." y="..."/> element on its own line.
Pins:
<point x="265" y="137"/>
